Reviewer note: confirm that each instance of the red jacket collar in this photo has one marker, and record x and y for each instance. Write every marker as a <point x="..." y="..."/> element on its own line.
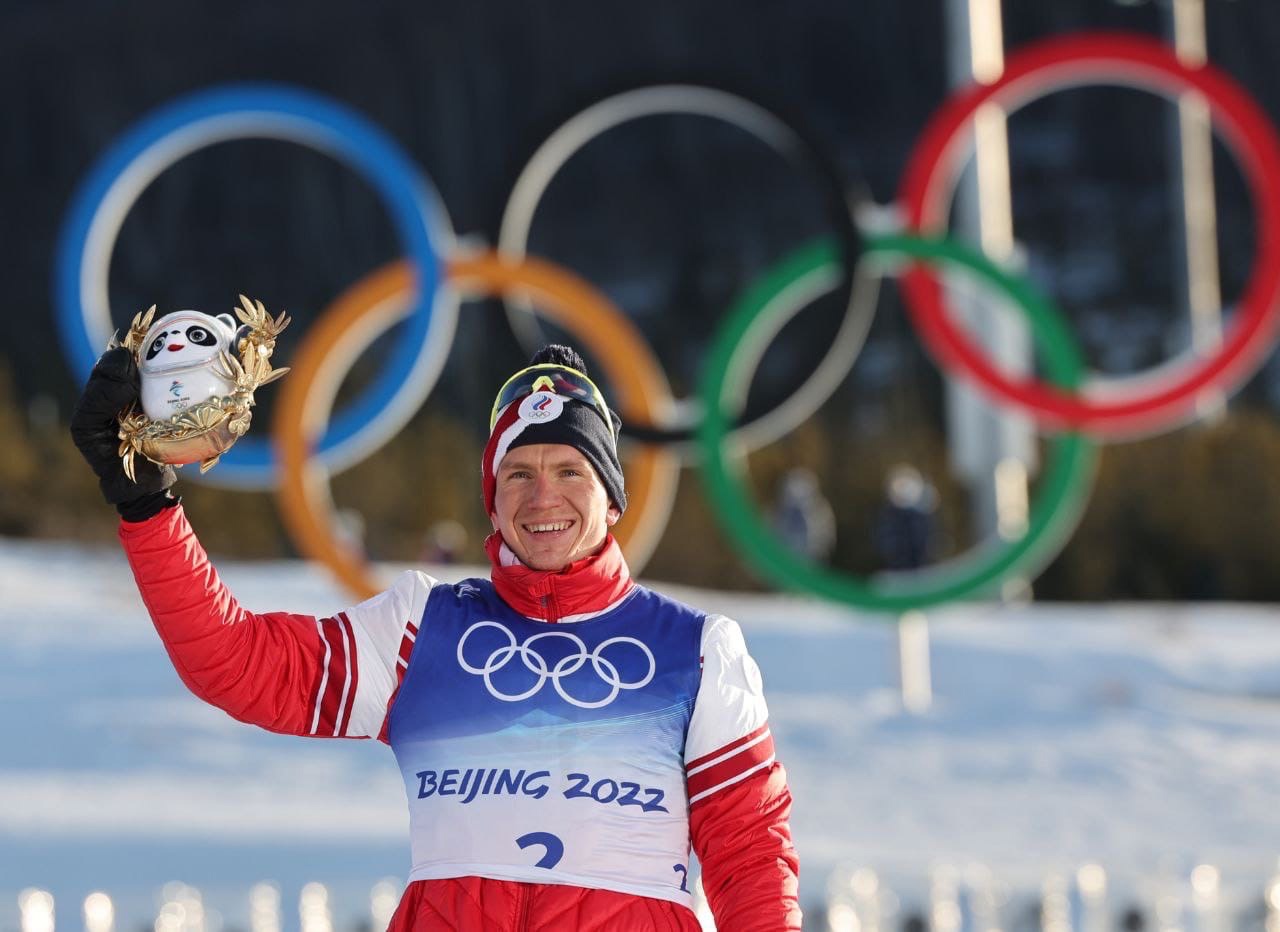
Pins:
<point x="588" y="585"/>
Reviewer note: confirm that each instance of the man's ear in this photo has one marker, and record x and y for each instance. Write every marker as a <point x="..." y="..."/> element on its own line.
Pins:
<point x="612" y="515"/>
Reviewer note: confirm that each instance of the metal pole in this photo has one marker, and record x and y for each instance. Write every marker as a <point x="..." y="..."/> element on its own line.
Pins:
<point x="1193" y="158"/>
<point x="915" y="677"/>
<point x="993" y="449"/>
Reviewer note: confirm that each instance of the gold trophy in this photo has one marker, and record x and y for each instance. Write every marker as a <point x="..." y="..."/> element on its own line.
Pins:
<point x="196" y="396"/>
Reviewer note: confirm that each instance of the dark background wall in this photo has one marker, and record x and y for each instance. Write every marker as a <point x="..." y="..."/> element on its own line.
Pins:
<point x="670" y="217"/>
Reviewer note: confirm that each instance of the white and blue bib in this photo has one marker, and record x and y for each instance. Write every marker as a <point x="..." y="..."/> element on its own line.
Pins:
<point x="549" y="753"/>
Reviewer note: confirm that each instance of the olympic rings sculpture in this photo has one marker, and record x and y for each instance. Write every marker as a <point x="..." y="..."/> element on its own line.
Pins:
<point x="565" y="666"/>
<point x="265" y="111"/>
<point x="377" y="303"/>
<point x="423" y="291"/>
<point x="1063" y="488"/>
<point x="1159" y="400"/>
<point x="858" y="291"/>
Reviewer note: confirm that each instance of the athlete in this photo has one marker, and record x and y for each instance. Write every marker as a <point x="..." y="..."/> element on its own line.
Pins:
<point x="565" y="735"/>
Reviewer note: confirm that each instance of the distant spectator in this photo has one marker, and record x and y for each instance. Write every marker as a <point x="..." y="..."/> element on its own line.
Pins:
<point x="802" y="517"/>
<point x="445" y="542"/>
<point x="906" y="528"/>
<point x="1132" y="920"/>
<point x="915" y="922"/>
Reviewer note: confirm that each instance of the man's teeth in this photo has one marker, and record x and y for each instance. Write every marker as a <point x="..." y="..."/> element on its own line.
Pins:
<point x="551" y="526"/>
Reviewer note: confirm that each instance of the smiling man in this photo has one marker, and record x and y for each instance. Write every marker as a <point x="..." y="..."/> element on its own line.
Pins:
<point x="550" y="506"/>
<point x="565" y="735"/>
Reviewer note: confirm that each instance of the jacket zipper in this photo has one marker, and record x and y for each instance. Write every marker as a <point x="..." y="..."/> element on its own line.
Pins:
<point x="550" y="608"/>
<point x="522" y="912"/>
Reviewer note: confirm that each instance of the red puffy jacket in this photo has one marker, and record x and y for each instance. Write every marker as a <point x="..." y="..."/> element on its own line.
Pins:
<point x="263" y="669"/>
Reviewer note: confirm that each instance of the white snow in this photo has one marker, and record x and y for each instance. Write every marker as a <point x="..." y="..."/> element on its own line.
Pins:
<point x="1145" y="739"/>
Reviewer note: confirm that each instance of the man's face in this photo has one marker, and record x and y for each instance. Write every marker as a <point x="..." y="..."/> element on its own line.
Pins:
<point x="550" y="505"/>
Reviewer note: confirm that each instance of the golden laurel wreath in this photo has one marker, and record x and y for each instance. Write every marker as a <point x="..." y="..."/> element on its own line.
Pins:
<point x="204" y="431"/>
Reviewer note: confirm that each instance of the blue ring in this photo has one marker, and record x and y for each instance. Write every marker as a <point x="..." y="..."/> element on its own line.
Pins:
<point x="276" y="111"/>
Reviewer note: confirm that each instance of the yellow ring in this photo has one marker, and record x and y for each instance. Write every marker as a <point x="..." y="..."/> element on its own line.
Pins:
<point x="380" y="300"/>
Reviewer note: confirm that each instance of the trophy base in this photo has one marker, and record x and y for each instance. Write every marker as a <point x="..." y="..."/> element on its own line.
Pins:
<point x="200" y="434"/>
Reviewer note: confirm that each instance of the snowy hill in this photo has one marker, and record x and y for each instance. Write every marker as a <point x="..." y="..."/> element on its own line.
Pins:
<point x="1141" y="739"/>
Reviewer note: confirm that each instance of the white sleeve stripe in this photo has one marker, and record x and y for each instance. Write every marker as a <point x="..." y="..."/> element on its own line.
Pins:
<point x="768" y="762"/>
<point x="728" y="754"/>
<point x="367" y="702"/>
<point x="324" y="678"/>
<point x="346" y="686"/>
<point x="376" y="633"/>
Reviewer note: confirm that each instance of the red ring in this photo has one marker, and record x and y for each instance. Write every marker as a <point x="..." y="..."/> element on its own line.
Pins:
<point x="936" y="163"/>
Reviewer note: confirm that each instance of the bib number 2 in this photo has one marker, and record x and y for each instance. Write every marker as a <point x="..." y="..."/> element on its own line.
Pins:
<point x="552" y="845"/>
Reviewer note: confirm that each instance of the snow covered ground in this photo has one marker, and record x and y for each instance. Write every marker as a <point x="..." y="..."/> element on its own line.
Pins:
<point x="1145" y="740"/>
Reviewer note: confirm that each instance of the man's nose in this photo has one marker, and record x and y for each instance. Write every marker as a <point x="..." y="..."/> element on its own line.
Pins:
<point x="543" y="489"/>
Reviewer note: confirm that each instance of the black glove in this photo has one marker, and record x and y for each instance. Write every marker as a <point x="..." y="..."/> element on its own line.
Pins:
<point x="113" y="386"/>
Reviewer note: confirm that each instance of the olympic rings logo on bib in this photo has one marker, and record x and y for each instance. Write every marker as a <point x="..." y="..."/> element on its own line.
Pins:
<point x="566" y="666"/>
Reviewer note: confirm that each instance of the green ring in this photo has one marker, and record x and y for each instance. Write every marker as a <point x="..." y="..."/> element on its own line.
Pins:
<point x="1053" y="512"/>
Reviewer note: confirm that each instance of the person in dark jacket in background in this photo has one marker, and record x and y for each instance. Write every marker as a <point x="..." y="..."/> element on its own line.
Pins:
<point x="906" y="527"/>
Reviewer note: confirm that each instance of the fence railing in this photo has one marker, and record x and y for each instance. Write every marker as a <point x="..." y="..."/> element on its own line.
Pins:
<point x="973" y="898"/>
<point x="1202" y="898"/>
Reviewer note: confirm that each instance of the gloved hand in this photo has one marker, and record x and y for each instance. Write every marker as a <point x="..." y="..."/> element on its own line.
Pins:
<point x="113" y="385"/>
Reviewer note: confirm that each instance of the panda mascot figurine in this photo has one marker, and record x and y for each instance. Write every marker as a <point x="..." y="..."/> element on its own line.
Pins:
<point x="180" y="361"/>
<point x="198" y="375"/>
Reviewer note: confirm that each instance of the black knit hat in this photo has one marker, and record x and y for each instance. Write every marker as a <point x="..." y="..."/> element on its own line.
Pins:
<point x="546" y="416"/>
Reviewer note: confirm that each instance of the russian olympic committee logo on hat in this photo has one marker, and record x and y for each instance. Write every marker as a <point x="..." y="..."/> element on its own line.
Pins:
<point x="535" y="663"/>
<point x="541" y="406"/>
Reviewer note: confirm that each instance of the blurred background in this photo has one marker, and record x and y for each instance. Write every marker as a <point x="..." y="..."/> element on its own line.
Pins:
<point x="1105" y="717"/>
